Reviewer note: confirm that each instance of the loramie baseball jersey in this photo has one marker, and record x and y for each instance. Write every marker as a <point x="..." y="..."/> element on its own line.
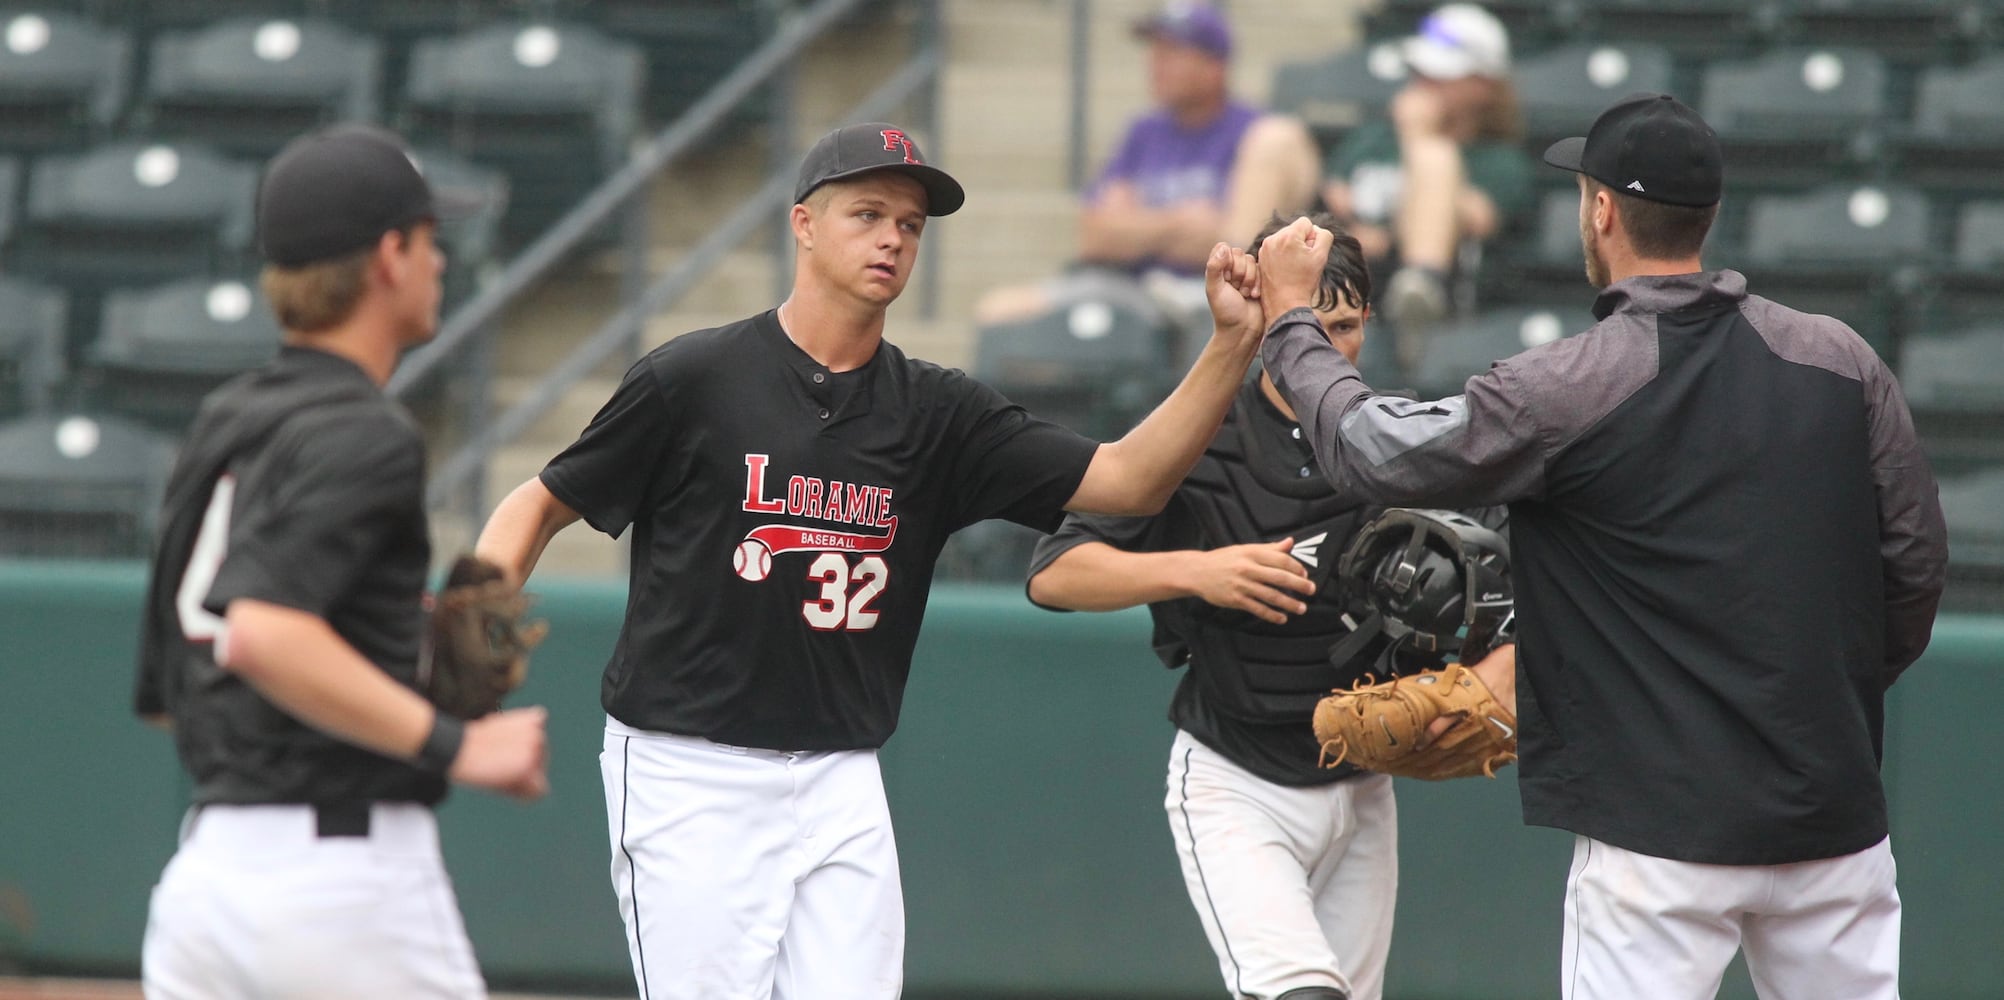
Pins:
<point x="300" y="485"/>
<point x="786" y="522"/>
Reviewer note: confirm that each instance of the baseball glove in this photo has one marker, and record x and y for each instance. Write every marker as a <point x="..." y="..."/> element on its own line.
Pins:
<point x="479" y="643"/>
<point x="1383" y="727"/>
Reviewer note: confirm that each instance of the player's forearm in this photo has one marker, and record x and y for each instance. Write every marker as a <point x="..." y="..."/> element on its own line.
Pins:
<point x="521" y="527"/>
<point x="298" y="662"/>
<point x="1096" y="576"/>
<point x="1138" y="473"/>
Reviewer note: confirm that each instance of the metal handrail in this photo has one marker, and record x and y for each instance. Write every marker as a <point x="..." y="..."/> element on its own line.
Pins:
<point x="467" y="323"/>
<point x="619" y="331"/>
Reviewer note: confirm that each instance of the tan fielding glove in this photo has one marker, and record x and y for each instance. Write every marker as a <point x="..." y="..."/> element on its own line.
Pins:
<point x="1383" y="727"/>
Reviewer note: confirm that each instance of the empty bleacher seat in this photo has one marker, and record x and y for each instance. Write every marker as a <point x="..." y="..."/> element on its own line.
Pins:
<point x="134" y="210"/>
<point x="62" y="78"/>
<point x="691" y="44"/>
<point x="1954" y="383"/>
<point x="1908" y="30"/>
<point x="1704" y="29"/>
<point x="1096" y="362"/>
<point x="1974" y="508"/>
<point x="31" y="344"/>
<point x="80" y="486"/>
<point x="1956" y="138"/>
<point x="1562" y="91"/>
<point x="1469" y="346"/>
<point x="1793" y="115"/>
<point x="552" y="106"/>
<point x="249" y="85"/>
<point x="160" y="350"/>
<point x="1856" y="252"/>
<point x="1335" y="93"/>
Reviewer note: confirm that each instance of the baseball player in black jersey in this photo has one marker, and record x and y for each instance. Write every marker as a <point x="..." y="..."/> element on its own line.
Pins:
<point x="283" y="621"/>
<point x="789" y="480"/>
<point x="1292" y="867"/>
<point x="1727" y="545"/>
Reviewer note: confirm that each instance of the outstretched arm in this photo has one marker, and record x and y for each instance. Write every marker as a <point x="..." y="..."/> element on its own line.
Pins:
<point x="1261" y="579"/>
<point x="1136" y="474"/>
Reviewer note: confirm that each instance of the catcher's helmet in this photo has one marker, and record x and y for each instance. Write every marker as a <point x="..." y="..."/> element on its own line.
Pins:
<point x="1437" y="579"/>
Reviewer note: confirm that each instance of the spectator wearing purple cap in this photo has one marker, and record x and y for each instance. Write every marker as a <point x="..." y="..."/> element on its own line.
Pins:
<point x="1447" y="169"/>
<point x="1197" y="168"/>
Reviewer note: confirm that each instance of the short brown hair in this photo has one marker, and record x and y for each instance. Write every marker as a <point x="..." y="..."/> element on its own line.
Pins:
<point x="1658" y="231"/>
<point x="317" y="296"/>
<point x="1345" y="278"/>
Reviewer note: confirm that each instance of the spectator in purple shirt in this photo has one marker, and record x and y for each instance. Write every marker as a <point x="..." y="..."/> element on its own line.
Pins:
<point x="1198" y="168"/>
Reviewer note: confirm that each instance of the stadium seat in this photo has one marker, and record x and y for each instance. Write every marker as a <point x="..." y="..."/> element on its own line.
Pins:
<point x="1954" y="383"/>
<point x="1338" y="92"/>
<point x="1906" y="30"/>
<point x="31" y="345"/>
<point x="133" y="211"/>
<point x="1563" y="90"/>
<point x="1974" y="508"/>
<point x="248" y="85"/>
<point x="62" y="79"/>
<point x="552" y="106"/>
<point x="1700" y="29"/>
<point x="1096" y="363"/>
<point x="1979" y="238"/>
<point x="1957" y="135"/>
<point x="1794" y="115"/>
<point x="691" y="44"/>
<point x="160" y="350"/>
<point x="80" y="486"/>
<point x="1469" y="346"/>
<point x="1856" y="252"/>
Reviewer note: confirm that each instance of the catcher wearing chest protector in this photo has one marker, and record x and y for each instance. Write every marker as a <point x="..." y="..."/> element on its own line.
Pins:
<point x="1436" y="582"/>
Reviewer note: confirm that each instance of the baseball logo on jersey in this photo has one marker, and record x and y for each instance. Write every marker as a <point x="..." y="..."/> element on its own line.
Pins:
<point x="838" y="608"/>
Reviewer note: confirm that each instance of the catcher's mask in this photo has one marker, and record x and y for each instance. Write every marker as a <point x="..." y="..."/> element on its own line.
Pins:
<point x="1434" y="579"/>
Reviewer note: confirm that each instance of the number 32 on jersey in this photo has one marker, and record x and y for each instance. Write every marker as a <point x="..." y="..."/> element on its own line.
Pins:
<point x="848" y="592"/>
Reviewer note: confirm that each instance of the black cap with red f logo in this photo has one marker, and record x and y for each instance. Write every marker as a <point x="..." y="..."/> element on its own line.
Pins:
<point x="860" y="149"/>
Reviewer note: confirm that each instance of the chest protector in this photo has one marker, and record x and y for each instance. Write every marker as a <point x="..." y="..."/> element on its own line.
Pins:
<point x="1249" y="489"/>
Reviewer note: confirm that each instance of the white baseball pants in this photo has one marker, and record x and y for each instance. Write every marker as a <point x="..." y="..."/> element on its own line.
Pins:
<point x="1295" y="886"/>
<point x="255" y="905"/>
<point x="1644" y="928"/>
<point x="747" y="874"/>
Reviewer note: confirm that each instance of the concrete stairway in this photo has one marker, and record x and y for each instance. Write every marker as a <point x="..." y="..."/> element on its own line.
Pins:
<point x="1004" y="132"/>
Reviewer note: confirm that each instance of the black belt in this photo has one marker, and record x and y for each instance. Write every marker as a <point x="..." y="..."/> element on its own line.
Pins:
<point x="341" y="819"/>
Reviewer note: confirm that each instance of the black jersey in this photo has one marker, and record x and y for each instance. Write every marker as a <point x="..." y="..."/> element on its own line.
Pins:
<point x="301" y="485"/>
<point x="1257" y="482"/>
<point x="786" y="521"/>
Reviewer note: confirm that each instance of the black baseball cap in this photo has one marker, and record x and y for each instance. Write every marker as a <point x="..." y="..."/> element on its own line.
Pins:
<point x="1650" y="146"/>
<point x="337" y="190"/>
<point x="860" y="149"/>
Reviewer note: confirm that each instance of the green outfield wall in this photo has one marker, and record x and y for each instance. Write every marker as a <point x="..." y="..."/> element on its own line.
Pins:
<point x="1026" y="780"/>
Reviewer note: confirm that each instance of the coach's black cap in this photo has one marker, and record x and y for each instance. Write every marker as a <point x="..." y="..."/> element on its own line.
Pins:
<point x="1650" y="146"/>
<point x="337" y="190"/>
<point x="859" y="149"/>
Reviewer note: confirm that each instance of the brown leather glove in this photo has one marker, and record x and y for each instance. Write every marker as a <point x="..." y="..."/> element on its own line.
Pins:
<point x="1383" y="727"/>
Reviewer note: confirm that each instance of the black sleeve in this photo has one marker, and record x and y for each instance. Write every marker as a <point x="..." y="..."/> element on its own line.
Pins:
<point x="1128" y="534"/>
<point x="607" y="474"/>
<point x="1010" y="464"/>
<point x="312" y="514"/>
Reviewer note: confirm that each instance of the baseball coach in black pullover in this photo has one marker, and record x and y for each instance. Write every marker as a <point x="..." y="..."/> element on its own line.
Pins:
<point x="1727" y="544"/>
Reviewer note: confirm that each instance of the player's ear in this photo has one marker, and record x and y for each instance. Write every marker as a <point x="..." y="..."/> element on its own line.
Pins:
<point x="802" y="221"/>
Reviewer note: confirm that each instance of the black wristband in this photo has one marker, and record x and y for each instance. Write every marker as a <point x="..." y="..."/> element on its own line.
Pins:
<point x="441" y="745"/>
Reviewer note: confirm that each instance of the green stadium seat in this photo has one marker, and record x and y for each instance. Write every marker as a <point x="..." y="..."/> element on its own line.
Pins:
<point x="1956" y="138"/>
<point x="1857" y="252"/>
<point x="1954" y="383"/>
<point x="160" y="350"/>
<point x="74" y="486"/>
<point x="1335" y="93"/>
<point x="1700" y="29"/>
<point x="1795" y="115"/>
<point x="1095" y="362"/>
<point x="1562" y="91"/>
<point x="1467" y="347"/>
<point x="62" y="78"/>
<point x="134" y="210"/>
<point x="1906" y="30"/>
<point x="691" y="44"/>
<point x="32" y="324"/>
<point x="553" y="106"/>
<point x="1974" y="508"/>
<point x="248" y="85"/>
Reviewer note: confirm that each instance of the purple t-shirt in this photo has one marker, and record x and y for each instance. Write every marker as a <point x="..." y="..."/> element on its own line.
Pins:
<point x="1168" y="164"/>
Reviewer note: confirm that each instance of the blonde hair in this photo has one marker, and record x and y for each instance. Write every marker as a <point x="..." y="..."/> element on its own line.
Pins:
<point x="317" y="296"/>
